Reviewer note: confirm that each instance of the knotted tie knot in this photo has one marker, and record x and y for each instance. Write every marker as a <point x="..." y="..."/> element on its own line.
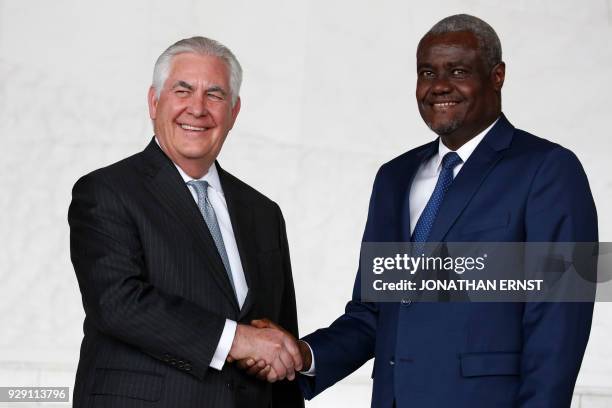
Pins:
<point x="200" y="186"/>
<point x="451" y="160"/>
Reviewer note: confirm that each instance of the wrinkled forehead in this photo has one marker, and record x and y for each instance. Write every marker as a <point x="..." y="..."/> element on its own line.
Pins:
<point x="193" y="64"/>
<point x="460" y="40"/>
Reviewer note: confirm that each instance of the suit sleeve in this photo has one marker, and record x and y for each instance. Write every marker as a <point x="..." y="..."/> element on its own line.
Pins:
<point x="560" y="208"/>
<point x="108" y="259"/>
<point x="287" y="393"/>
<point x="349" y="341"/>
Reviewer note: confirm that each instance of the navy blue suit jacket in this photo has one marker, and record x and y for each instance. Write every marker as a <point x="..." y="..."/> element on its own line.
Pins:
<point x="515" y="187"/>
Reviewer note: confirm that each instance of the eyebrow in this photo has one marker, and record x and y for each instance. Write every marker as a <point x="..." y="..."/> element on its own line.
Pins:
<point x="216" y="88"/>
<point x="213" y="88"/>
<point x="424" y="65"/>
<point x="446" y="64"/>
<point x="183" y="84"/>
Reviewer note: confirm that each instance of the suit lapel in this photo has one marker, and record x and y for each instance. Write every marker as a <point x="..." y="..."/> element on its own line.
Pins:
<point x="166" y="184"/>
<point x="406" y="178"/>
<point x="471" y="176"/>
<point x="241" y="216"/>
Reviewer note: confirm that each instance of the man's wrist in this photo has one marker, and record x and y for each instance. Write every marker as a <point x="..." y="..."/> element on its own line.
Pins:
<point x="306" y="353"/>
<point x="237" y="343"/>
<point x="225" y="344"/>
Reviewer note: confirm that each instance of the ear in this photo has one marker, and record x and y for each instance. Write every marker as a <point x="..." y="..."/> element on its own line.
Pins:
<point x="235" y="110"/>
<point x="152" y="99"/>
<point x="498" y="74"/>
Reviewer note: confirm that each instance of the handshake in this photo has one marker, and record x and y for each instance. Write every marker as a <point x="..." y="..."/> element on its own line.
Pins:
<point x="268" y="351"/>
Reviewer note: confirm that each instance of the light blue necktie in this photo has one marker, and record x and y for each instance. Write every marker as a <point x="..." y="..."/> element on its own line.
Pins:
<point x="201" y="188"/>
<point x="423" y="226"/>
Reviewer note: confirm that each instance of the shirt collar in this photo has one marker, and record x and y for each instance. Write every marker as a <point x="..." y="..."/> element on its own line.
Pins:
<point x="464" y="151"/>
<point x="211" y="176"/>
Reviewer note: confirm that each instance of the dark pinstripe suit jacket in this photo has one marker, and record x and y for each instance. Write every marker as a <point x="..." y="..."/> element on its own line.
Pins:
<point x="155" y="292"/>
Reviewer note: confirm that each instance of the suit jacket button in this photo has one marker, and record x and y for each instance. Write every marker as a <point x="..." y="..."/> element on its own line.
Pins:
<point x="406" y="302"/>
<point x="391" y="362"/>
<point x="187" y="367"/>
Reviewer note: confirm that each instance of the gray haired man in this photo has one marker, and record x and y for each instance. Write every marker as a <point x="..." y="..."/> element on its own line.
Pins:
<point x="480" y="180"/>
<point x="175" y="257"/>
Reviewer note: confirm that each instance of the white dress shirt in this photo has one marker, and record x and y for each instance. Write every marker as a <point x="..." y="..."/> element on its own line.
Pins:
<point x="426" y="177"/>
<point x="217" y="200"/>
<point x="423" y="186"/>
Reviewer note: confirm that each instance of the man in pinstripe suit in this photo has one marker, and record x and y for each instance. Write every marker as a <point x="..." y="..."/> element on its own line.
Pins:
<point x="174" y="258"/>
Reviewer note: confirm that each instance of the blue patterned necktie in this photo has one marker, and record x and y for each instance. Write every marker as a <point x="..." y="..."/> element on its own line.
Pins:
<point x="423" y="226"/>
<point x="201" y="188"/>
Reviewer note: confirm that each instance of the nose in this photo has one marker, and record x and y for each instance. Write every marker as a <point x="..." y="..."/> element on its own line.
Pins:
<point x="197" y="106"/>
<point x="441" y="85"/>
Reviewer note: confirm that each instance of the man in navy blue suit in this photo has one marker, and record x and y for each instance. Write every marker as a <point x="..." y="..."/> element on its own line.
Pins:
<point x="482" y="180"/>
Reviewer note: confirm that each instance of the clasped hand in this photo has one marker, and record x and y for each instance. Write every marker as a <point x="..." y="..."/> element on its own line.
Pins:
<point x="267" y="351"/>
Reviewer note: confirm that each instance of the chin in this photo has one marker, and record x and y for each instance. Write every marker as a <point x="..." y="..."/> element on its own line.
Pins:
<point x="196" y="145"/>
<point x="199" y="155"/>
<point x="445" y="128"/>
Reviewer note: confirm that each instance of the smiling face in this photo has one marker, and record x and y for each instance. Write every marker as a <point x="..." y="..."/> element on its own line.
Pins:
<point x="194" y="112"/>
<point x="457" y="95"/>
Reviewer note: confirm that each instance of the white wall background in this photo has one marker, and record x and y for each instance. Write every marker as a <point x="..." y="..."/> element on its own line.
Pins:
<point x="328" y="97"/>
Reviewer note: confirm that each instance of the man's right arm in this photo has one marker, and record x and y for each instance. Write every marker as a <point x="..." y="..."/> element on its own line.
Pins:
<point x="349" y="341"/>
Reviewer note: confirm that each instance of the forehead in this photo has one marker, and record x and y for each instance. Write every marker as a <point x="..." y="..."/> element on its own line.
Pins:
<point x="458" y="45"/>
<point x="197" y="67"/>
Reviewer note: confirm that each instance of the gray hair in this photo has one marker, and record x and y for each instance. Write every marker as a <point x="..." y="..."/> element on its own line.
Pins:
<point x="488" y="41"/>
<point x="202" y="46"/>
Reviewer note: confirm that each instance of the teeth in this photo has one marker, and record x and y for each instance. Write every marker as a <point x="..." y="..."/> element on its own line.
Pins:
<point x="187" y="127"/>
<point x="444" y="104"/>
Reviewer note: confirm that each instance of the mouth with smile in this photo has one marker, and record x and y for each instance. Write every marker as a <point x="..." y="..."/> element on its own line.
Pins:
<point x="192" y="128"/>
<point x="443" y="106"/>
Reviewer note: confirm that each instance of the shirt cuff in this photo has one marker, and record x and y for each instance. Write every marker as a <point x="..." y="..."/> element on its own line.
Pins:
<point x="225" y="344"/>
<point x="311" y="371"/>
